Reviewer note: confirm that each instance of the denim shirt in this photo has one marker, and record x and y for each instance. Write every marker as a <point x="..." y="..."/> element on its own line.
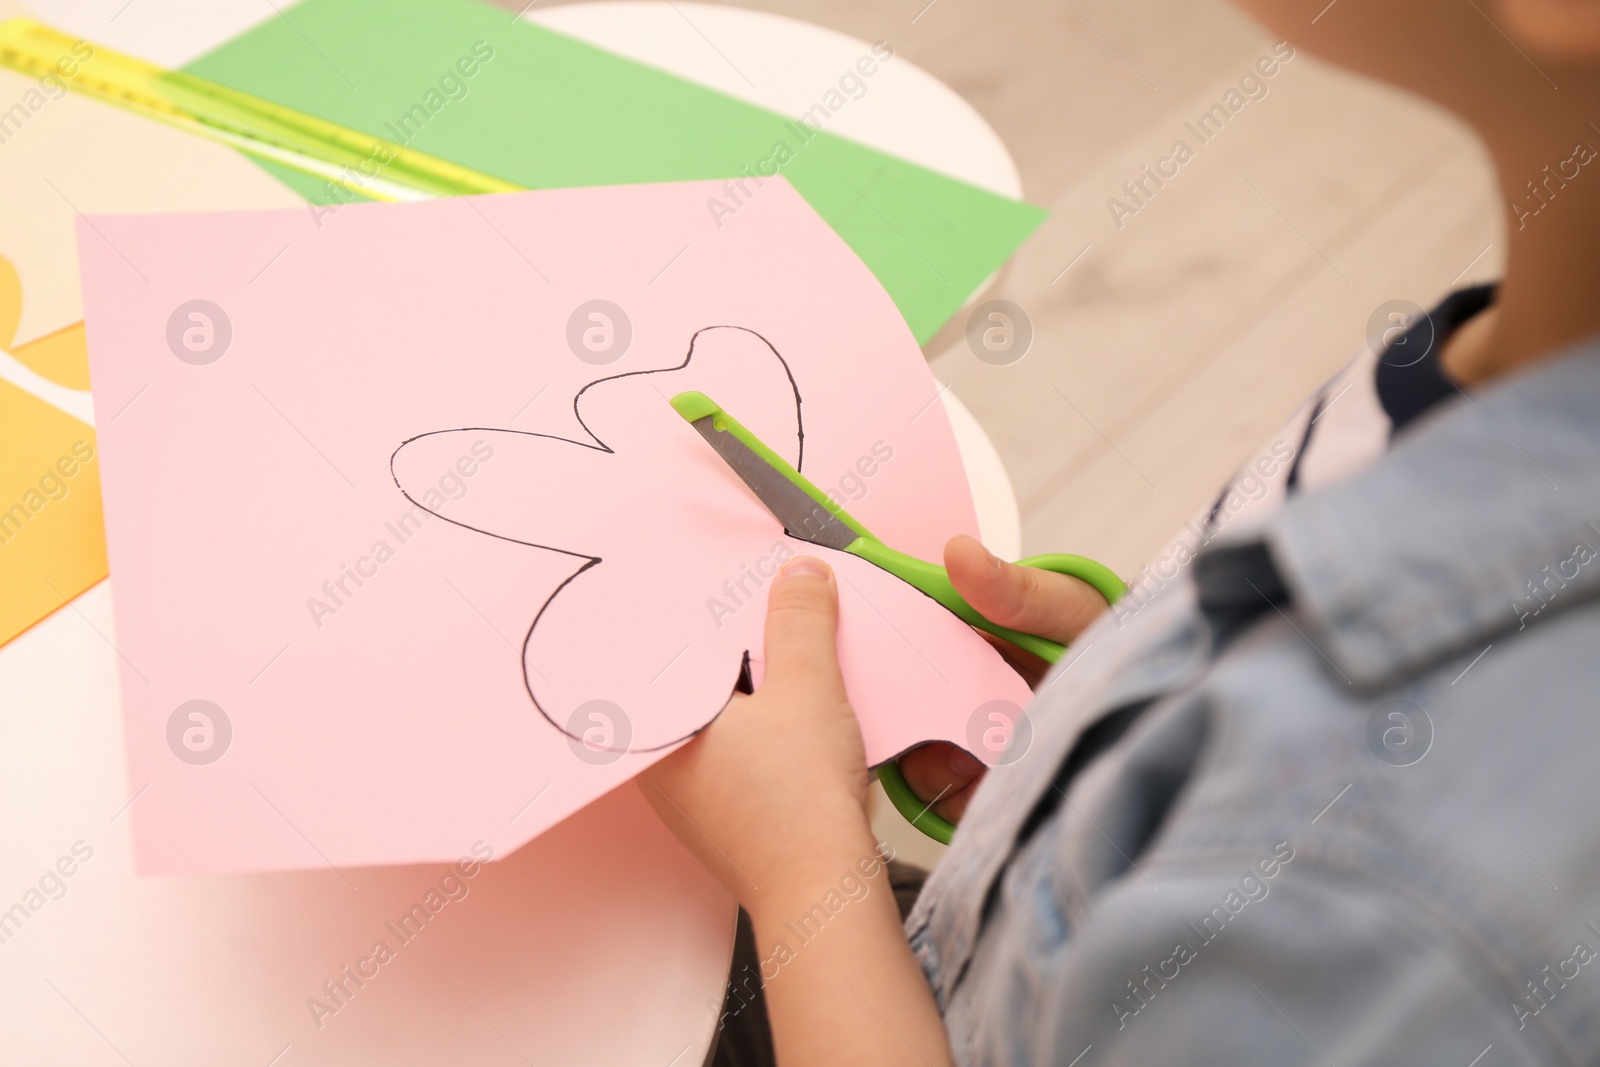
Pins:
<point x="1331" y="797"/>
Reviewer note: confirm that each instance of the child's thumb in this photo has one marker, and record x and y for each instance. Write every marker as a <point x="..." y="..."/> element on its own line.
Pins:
<point x="1054" y="606"/>
<point x="802" y="627"/>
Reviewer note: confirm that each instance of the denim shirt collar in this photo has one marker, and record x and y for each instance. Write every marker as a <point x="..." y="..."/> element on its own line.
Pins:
<point x="1483" y="518"/>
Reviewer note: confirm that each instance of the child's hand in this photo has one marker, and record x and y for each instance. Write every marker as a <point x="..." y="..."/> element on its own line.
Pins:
<point x="1051" y="605"/>
<point x="772" y="799"/>
<point x="775" y="790"/>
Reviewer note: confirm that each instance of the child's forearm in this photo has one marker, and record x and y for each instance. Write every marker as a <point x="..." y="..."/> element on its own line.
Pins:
<point x="772" y="798"/>
<point x="841" y="983"/>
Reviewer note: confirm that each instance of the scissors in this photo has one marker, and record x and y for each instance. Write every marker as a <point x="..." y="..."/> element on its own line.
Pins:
<point x="808" y="514"/>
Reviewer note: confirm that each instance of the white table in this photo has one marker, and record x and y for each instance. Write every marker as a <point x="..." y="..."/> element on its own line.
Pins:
<point x="214" y="970"/>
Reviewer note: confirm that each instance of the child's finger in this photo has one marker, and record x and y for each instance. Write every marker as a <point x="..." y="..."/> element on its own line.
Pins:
<point x="1054" y="606"/>
<point x="802" y="627"/>
<point x="943" y="776"/>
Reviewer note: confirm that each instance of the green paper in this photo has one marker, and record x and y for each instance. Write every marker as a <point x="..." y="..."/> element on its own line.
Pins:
<point x="548" y="111"/>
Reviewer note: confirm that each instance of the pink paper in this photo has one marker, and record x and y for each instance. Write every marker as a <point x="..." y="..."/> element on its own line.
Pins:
<point x="446" y="580"/>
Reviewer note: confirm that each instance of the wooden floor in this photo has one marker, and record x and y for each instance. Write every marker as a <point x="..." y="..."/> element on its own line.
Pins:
<point x="1179" y="341"/>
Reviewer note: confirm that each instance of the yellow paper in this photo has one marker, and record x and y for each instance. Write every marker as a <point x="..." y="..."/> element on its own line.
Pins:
<point x="52" y="542"/>
<point x="63" y="357"/>
<point x="10" y="302"/>
<point x="64" y="155"/>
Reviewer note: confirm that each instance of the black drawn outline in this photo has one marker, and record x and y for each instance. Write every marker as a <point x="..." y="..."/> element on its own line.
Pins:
<point x="742" y="681"/>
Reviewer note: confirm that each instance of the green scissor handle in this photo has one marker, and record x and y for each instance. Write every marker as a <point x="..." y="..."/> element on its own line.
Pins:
<point x="930" y="578"/>
<point x="935" y="582"/>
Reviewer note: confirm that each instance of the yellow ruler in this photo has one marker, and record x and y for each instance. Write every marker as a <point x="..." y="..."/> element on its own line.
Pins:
<point x="351" y="159"/>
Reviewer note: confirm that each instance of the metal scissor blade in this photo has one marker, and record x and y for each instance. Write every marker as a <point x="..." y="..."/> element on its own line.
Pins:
<point x="800" y="514"/>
